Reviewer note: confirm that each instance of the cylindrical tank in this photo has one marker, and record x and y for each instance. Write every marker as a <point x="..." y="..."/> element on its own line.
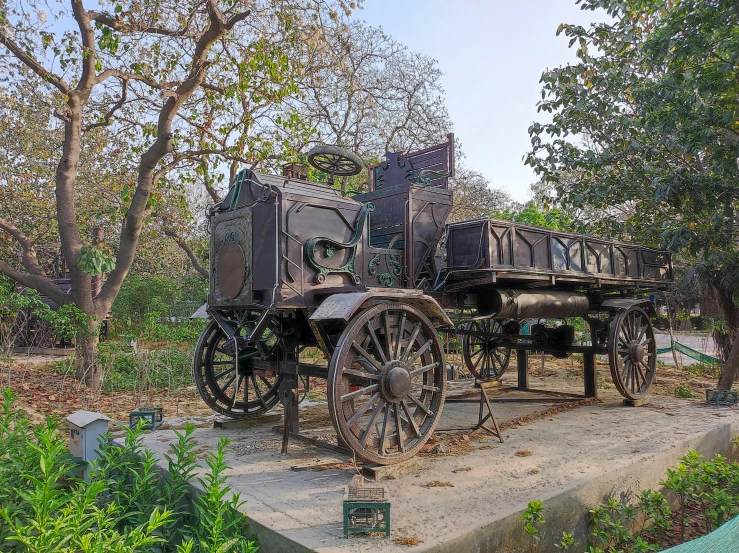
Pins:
<point x="524" y="304"/>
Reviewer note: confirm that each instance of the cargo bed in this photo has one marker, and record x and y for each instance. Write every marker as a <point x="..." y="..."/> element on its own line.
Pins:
<point x="489" y="251"/>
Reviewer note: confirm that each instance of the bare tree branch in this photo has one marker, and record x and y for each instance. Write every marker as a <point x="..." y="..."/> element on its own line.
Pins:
<point x="188" y="250"/>
<point x="108" y="117"/>
<point x="35" y="66"/>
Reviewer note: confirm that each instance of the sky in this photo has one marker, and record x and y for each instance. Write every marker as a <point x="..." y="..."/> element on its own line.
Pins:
<point x="492" y="53"/>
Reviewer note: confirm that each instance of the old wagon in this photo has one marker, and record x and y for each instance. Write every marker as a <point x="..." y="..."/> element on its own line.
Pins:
<point x="296" y="265"/>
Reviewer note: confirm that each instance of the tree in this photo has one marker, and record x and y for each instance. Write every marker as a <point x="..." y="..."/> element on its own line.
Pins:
<point x="649" y="120"/>
<point x="474" y="197"/>
<point x="365" y="91"/>
<point x="150" y="73"/>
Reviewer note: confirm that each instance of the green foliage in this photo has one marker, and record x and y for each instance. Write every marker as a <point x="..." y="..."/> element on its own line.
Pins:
<point x="66" y="322"/>
<point x="683" y="391"/>
<point x="532" y="517"/>
<point x="96" y="260"/>
<point x="706" y="491"/>
<point x="125" y="507"/>
<point x="46" y="507"/>
<point x="646" y="121"/>
<point x="157" y="308"/>
<point x="567" y="542"/>
<point x="157" y="368"/>
<point x="531" y="214"/>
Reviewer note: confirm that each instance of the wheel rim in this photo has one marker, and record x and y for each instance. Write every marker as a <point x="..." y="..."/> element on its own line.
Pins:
<point x="248" y="391"/>
<point x="632" y="353"/>
<point x="482" y="356"/>
<point x="386" y="395"/>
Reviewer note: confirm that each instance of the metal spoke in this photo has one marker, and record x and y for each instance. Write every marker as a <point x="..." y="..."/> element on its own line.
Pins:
<point x="381" y="449"/>
<point x="224" y="373"/>
<point x="363" y="352"/>
<point x="426" y="387"/>
<point x="256" y="389"/>
<point x="423" y="369"/>
<point x="368" y="428"/>
<point x="360" y="392"/>
<point x="411" y="419"/>
<point x="399" y="429"/>
<point x="370" y="376"/>
<point x="376" y="342"/>
<point x="363" y="409"/>
<point x="419" y="353"/>
<point x="428" y="411"/>
<point x="236" y="390"/>
<point x="411" y="341"/>
<point x="388" y="335"/>
<point x="399" y="338"/>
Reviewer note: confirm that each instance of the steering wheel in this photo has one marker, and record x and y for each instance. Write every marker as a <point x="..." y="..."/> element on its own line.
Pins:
<point x="335" y="161"/>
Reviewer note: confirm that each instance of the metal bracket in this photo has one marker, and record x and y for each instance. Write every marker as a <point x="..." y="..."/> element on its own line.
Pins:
<point x="331" y="245"/>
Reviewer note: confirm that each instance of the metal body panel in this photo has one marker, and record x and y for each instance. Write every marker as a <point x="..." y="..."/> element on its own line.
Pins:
<point x="344" y="306"/>
<point x="512" y="251"/>
<point x="231" y="236"/>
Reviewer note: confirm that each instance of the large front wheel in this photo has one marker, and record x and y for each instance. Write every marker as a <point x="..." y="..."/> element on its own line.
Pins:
<point x="386" y="383"/>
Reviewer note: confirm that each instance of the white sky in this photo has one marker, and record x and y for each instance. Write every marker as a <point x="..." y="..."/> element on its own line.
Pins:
<point x="492" y="53"/>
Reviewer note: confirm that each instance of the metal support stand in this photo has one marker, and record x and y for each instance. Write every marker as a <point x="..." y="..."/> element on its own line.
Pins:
<point x="591" y="375"/>
<point x="291" y="425"/>
<point x="522" y="362"/>
<point x="484" y="402"/>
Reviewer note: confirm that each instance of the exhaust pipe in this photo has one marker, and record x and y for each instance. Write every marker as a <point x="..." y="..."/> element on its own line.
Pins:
<point x="525" y="304"/>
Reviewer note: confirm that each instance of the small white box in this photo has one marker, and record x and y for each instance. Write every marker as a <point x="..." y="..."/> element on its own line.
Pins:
<point x="85" y="429"/>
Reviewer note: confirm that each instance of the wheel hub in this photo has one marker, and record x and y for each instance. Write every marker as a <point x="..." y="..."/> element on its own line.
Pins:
<point x="636" y="352"/>
<point x="395" y="381"/>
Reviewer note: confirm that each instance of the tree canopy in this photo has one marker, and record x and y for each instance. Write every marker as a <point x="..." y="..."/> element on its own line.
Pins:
<point x="648" y="121"/>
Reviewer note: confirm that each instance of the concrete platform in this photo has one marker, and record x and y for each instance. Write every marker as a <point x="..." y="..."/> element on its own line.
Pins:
<point x="571" y="460"/>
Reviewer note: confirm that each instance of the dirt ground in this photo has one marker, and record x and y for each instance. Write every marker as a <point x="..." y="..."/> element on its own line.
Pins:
<point x="41" y="389"/>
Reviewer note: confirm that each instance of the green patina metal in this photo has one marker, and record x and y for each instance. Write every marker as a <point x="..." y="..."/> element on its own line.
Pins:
<point x="397" y="267"/>
<point x="366" y="510"/>
<point x="422" y="177"/>
<point x="240" y="179"/>
<point x="373" y="265"/>
<point x="330" y="250"/>
<point x="347" y="268"/>
<point x="386" y="279"/>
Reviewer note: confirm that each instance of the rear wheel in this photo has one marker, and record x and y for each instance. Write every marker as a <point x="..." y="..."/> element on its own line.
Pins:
<point x="244" y="391"/>
<point x="386" y="383"/>
<point x="484" y="358"/>
<point x="632" y="353"/>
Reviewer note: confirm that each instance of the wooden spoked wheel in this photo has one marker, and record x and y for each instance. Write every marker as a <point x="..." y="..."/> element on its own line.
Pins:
<point x="632" y="353"/>
<point x="483" y="357"/>
<point x="245" y="392"/>
<point x="386" y="383"/>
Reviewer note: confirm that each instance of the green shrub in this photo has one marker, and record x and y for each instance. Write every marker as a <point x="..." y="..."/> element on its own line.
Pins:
<point x="683" y="391"/>
<point x="707" y="493"/>
<point x="157" y="308"/>
<point x="125" y="507"/>
<point x="65" y="322"/>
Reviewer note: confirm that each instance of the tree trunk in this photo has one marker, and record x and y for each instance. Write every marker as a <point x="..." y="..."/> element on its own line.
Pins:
<point x="728" y="373"/>
<point x="729" y="343"/>
<point x="87" y="365"/>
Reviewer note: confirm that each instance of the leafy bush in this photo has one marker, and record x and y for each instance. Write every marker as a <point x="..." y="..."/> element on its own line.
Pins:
<point x="707" y="493"/>
<point x="65" y="322"/>
<point x="127" y="370"/>
<point x="124" y="508"/>
<point x="157" y="308"/>
<point x="683" y="391"/>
